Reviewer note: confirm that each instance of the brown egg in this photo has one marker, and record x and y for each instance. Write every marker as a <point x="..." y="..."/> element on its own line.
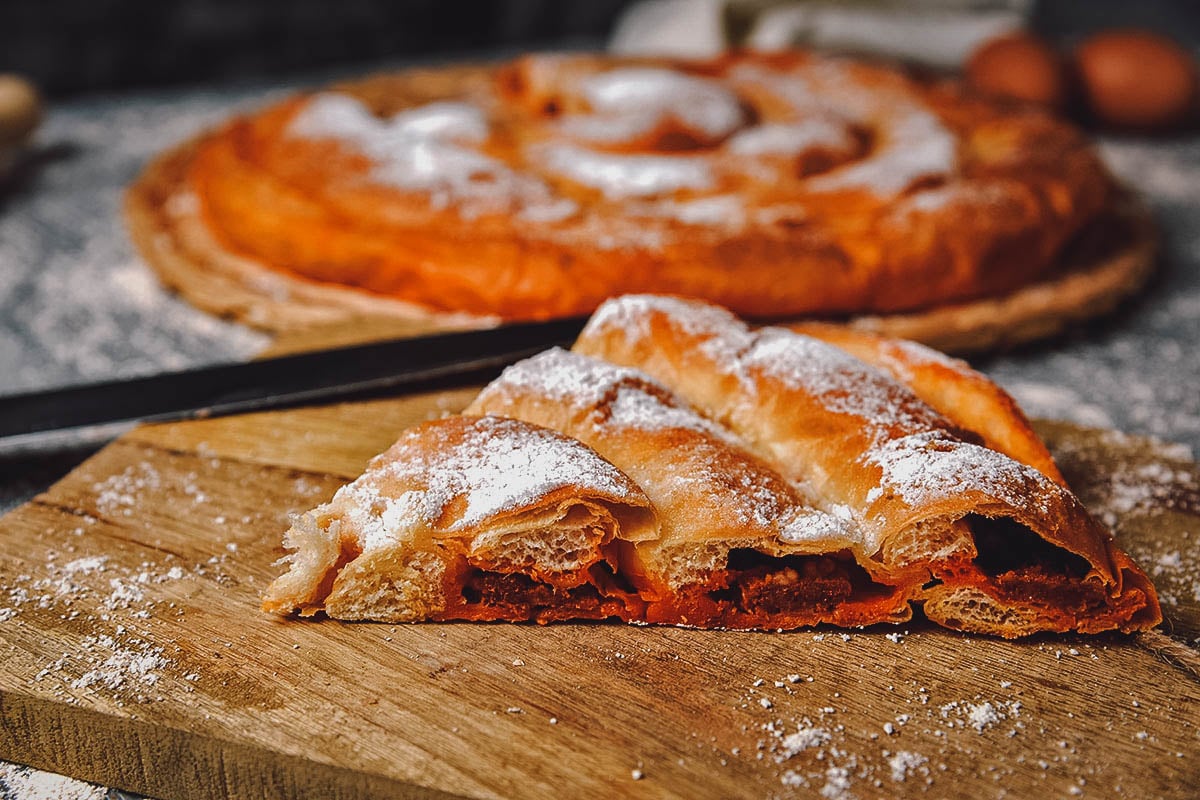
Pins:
<point x="20" y="109"/>
<point x="1136" y="79"/>
<point x="1019" y="66"/>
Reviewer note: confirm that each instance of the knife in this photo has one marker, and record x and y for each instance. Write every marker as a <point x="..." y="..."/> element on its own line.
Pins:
<point x="93" y="413"/>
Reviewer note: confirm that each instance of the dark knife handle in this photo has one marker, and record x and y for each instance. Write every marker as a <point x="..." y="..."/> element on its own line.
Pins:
<point x="311" y="377"/>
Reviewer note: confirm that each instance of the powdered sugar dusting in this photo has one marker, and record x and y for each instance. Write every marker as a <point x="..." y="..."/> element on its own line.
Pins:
<point x="904" y="762"/>
<point x="604" y="401"/>
<point x="431" y="148"/>
<point x="840" y="382"/>
<point x="980" y="716"/>
<point x="789" y="139"/>
<point x="725" y="211"/>
<point x="138" y="665"/>
<point x="835" y="746"/>
<point x="916" y="145"/>
<point x="618" y="175"/>
<point x="912" y="142"/>
<point x="805" y="737"/>
<point x="458" y="472"/>
<point x="930" y="466"/>
<point x="908" y="448"/>
<point x="720" y="334"/>
<point x="631" y="398"/>
<point x="632" y="100"/>
<point x="31" y="784"/>
<point x="340" y="116"/>
<point x="1137" y="489"/>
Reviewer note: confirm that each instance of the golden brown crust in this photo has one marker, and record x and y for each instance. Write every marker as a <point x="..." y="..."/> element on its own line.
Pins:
<point x="739" y="546"/>
<point x="281" y="221"/>
<point x="965" y="397"/>
<point x="1009" y="549"/>
<point x="1115" y="257"/>
<point x="160" y="212"/>
<point x="692" y="470"/>
<point x="433" y="526"/>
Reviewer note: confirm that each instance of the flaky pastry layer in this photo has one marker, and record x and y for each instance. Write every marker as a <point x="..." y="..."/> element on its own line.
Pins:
<point x="773" y="185"/>
<point x="681" y="467"/>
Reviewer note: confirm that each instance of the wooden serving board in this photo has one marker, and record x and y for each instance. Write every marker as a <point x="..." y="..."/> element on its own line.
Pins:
<point x="134" y="655"/>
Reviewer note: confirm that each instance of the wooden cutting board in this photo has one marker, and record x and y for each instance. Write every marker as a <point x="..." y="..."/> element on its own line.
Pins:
<point x="134" y="655"/>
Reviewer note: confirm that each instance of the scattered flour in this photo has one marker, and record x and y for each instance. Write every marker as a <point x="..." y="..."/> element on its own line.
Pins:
<point x="124" y="666"/>
<point x="23" y="783"/>
<point x="904" y="762"/>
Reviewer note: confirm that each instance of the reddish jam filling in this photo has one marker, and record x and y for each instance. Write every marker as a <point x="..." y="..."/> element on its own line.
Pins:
<point x="491" y="595"/>
<point x="756" y="590"/>
<point x="761" y="584"/>
<point x="1016" y="564"/>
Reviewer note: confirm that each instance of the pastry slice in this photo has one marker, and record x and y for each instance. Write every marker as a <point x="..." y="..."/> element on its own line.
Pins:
<point x="949" y="385"/>
<point x="740" y="546"/>
<point x="470" y="518"/>
<point x="996" y="545"/>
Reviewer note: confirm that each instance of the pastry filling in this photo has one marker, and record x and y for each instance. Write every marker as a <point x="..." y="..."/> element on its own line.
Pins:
<point x="760" y="590"/>
<point x="1016" y="565"/>
<point x="486" y="594"/>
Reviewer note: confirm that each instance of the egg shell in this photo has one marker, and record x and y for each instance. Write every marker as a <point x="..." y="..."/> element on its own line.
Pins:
<point x="1136" y="79"/>
<point x="1019" y="66"/>
<point x="20" y="109"/>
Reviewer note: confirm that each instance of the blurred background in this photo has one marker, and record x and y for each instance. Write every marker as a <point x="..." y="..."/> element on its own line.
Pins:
<point x="73" y="46"/>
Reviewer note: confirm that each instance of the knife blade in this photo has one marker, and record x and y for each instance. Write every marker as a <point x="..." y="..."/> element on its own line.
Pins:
<point x="41" y="420"/>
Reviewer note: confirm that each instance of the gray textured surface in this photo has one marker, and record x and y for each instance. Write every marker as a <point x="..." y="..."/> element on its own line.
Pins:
<point x="75" y="304"/>
<point x="1139" y="370"/>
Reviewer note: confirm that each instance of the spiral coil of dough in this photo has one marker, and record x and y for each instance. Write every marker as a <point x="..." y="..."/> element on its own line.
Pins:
<point x="773" y="185"/>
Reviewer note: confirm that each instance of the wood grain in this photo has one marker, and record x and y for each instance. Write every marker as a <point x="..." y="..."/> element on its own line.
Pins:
<point x="146" y="564"/>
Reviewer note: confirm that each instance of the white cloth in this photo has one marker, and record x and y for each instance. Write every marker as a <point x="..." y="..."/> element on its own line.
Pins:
<point x="938" y="34"/>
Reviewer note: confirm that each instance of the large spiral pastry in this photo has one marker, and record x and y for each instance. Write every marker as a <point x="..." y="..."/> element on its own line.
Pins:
<point x="778" y="186"/>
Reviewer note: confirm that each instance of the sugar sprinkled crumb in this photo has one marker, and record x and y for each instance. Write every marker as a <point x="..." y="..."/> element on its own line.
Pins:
<point x="804" y="738"/>
<point x="980" y="716"/>
<point x="123" y="666"/>
<point x="903" y="762"/>
<point x="837" y="783"/>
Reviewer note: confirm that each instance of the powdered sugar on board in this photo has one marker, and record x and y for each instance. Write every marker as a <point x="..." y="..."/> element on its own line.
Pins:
<point x="904" y="737"/>
<point x="118" y="657"/>
<point x="1148" y="493"/>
